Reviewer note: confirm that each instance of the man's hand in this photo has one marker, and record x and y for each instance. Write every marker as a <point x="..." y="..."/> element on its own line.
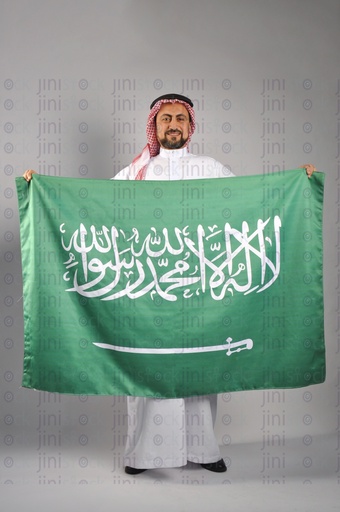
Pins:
<point x="28" y="174"/>
<point x="310" y="168"/>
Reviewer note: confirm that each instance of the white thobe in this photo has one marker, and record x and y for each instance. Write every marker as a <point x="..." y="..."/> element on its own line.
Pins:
<point x="165" y="433"/>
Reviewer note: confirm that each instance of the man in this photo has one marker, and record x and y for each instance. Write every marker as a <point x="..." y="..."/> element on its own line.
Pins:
<point x="168" y="433"/>
<point x="164" y="433"/>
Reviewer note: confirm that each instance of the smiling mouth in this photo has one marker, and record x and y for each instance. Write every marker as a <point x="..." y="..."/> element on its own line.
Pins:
<point x="173" y="133"/>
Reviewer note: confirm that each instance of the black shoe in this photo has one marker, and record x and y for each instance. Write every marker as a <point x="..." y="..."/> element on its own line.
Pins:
<point x="133" y="471"/>
<point x="216" y="467"/>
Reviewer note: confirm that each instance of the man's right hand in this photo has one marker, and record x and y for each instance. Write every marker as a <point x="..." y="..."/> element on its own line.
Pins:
<point x="28" y="174"/>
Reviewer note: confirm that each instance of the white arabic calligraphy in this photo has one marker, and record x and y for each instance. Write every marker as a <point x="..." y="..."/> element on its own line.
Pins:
<point x="109" y="263"/>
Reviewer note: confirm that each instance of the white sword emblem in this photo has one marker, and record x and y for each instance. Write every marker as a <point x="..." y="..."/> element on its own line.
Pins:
<point x="229" y="346"/>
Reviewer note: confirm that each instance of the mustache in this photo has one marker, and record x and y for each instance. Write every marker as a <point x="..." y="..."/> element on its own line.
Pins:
<point x="172" y="131"/>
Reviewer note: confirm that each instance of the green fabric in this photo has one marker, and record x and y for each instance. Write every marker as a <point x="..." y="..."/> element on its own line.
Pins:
<point x="172" y="289"/>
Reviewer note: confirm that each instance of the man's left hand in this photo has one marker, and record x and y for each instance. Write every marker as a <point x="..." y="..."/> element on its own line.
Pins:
<point x="310" y="168"/>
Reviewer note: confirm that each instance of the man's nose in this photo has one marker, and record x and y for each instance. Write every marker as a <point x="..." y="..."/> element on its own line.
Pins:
<point x="173" y="124"/>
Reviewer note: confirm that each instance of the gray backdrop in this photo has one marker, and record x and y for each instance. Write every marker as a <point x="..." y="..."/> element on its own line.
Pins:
<point x="77" y="79"/>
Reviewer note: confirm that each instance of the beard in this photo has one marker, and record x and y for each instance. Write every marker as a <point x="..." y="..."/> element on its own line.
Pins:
<point x="170" y="140"/>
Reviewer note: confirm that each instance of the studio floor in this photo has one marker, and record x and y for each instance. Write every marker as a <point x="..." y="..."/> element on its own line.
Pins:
<point x="249" y="484"/>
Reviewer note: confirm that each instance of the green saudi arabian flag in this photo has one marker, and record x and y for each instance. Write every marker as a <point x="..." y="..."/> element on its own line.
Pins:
<point x="172" y="289"/>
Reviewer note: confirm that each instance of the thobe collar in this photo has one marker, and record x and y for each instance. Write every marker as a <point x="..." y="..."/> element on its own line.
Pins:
<point x="172" y="154"/>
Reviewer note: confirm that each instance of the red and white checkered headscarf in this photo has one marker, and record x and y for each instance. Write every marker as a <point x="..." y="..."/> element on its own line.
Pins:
<point x="151" y="149"/>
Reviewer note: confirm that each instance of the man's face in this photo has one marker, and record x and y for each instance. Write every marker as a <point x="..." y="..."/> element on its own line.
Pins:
<point x="172" y="125"/>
